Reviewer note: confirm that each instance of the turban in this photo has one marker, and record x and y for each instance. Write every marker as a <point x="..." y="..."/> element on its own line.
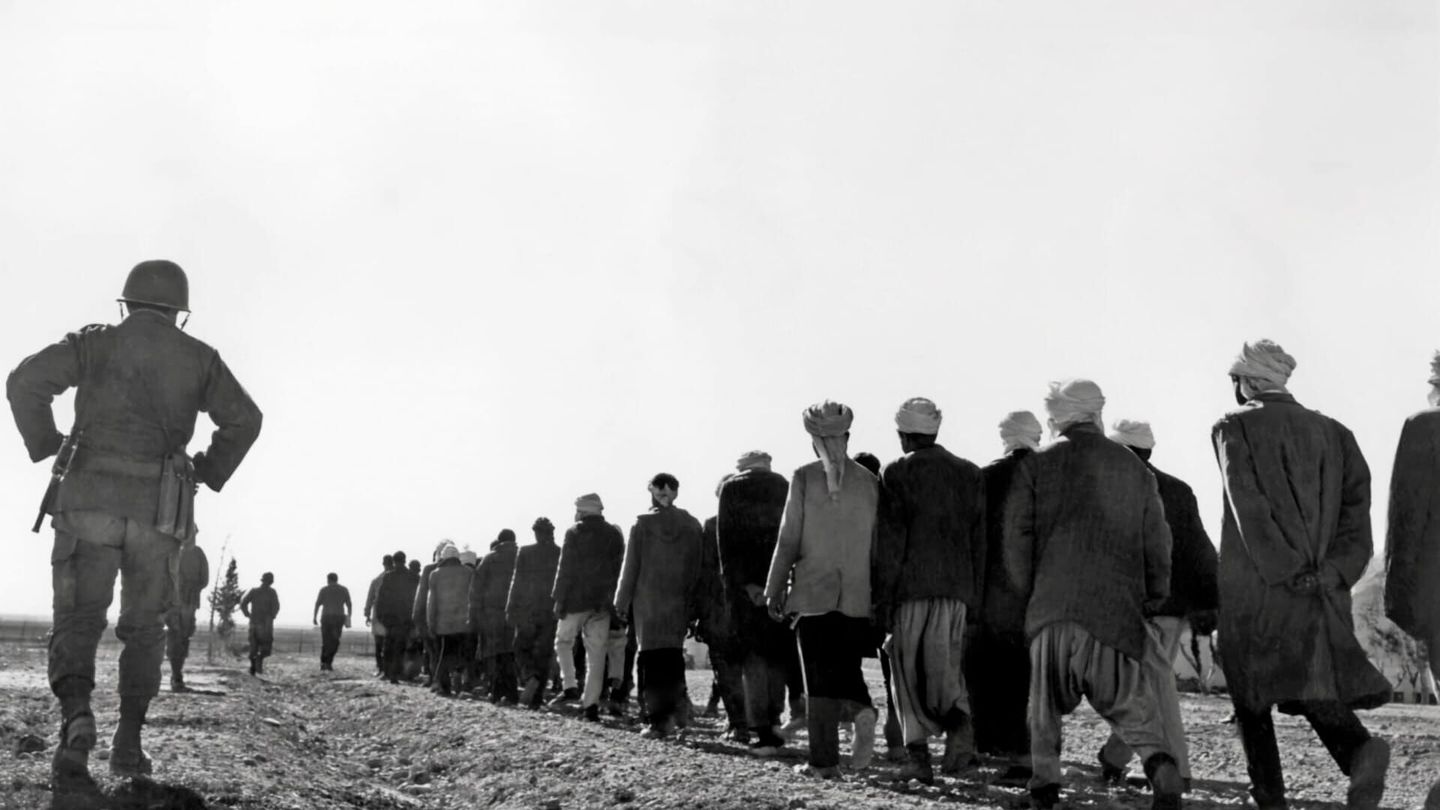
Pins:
<point x="1133" y="433"/>
<point x="589" y="505"/>
<point x="449" y="552"/>
<point x="1020" y="429"/>
<point x="753" y="460"/>
<point x="1435" y="369"/>
<point x="439" y="547"/>
<point x="827" y="423"/>
<point x="468" y="557"/>
<point x="918" y="415"/>
<point x="1265" y="361"/>
<point x="828" y="419"/>
<point x="1074" y="401"/>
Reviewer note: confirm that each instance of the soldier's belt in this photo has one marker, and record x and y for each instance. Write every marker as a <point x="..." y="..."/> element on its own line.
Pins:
<point x="117" y="465"/>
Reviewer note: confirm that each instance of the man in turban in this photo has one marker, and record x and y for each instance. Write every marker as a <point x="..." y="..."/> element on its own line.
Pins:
<point x="1087" y="540"/>
<point x="1295" y="538"/>
<point x="820" y="574"/>
<point x="747" y="526"/>
<point x="927" y="572"/>
<point x="997" y="663"/>
<point x="1192" y="601"/>
<point x="585" y="580"/>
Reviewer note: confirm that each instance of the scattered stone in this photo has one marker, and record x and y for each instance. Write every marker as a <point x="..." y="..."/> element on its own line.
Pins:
<point x="797" y="803"/>
<point x="270" y="721"/>
<point x="421" y="778"/>
<point x="248" y="762"/>
<point x="375" y="763"/>
<point x="29" y="744"/>
<point x="624" y="796"/>
<point x="550" y="804"/>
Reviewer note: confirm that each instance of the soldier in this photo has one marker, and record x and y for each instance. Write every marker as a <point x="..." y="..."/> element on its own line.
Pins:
<point x="193" y="576"/>
<point x="332" y="613"/>
<point x="261" y="605"/>
<point x="377" y="628"/>
<point x="139" y="385"/>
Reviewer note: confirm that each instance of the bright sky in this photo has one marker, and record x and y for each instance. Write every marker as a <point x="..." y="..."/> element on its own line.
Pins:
<point x="473" y="260"/>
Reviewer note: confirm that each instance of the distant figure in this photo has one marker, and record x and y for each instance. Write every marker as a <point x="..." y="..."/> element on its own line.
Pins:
<point x="1412" y="540"/>
<point x="715" y="628"/>
<point x="448" y="617"/>
<point x="377" y="627"/>
<point x="122" y="495"/>
<point x="394" y="600"/>
<point x="193" y="574"/>
<point x="1192" y="602"/>
<point x="657" y="590"/>
<point x="332" y="613"/>
<point x="869" y="461"/>
<point x="261" y="605"/>
<point x="928" y="570"/>
<point x="530" y="609"/>
<point x="491" y="587"/>
<point x="585" y="578"/>
<point x="1087" y="541"/>
<point x="1295" y="539"/>
<point x="419" y="610"/>
<point x="820" y="574"/>
<point x="997" y="663"/>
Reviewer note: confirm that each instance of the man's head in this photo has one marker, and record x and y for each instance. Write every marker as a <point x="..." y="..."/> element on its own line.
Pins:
<point x="918" y="422"/>
<point x="869" y="461"/>
<point x="752" y="460"/>
<point x="440" y="548"/>
<point x="506" y="536"/>
<point x="388" y="562"/>
<point x="468" y="557"/>
<point x="663" y="489"/>
<point x="398" y="559"/>
<point x="1020" y="430"/>
<point x="1135" y="435"/>
<point x="1076" y="401"/>
<point x="828" y="424"/>
<point x="332" y="578"/>
<point x="588" y="506"/>
<point x="1434" y="396"/>
<point x="414" y="566"/>
<point x="544" y="530"/>
<point x="449" y="552"/>
<point x="158" y="285"/>
<point x="267" y="578"/>
<point x="1260" y="367"/>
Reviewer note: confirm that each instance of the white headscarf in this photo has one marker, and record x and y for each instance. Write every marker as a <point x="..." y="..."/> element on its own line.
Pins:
<point x="828" y="423"/>
<point x="1074" y="401"/>
<point x="1133" y="433"/>
<point x="1265" y="365"/>
<point x="753" y="460"/>
<point x="918" y="415"/>
<point x="1020" y="429"/>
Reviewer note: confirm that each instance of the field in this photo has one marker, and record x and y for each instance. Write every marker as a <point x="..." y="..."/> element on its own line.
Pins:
<point x="299" y="739"/>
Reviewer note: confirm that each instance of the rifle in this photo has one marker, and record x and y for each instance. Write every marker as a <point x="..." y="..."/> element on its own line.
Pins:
<point x="63" y="460"/>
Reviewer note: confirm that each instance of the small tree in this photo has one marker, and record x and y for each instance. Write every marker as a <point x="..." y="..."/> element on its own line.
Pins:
<point x="223" y="602"/>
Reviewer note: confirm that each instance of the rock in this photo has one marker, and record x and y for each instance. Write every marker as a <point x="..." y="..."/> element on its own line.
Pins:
<point x="416" y="790"/>
<point x="270" y="721"/>
<point x="796" y="803"/>
<point x="375" y="763"/>
<point x="248" y="762"/>
<point x="550" y="804"/>
<point x="624" y="796"/>
<point x="421" y="778"/>
<point x="29" y="744"/>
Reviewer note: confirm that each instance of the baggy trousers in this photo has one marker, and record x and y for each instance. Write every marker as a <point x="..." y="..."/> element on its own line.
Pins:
<point x="330" y="629"/>
<point x="593" y="626"/>
<point x="830" y="647"/>
<point x="1160" y="651"/>
<point x="90" y="549"/>
<point x="179" y="627"/>
<point x="926" y="679"/>
<point x="1067" y="664"/>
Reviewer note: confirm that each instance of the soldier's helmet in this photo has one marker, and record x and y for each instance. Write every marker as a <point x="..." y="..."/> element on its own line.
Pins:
<point x="157" y="282"/>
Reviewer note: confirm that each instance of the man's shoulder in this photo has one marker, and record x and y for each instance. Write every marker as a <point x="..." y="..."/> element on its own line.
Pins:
<point x="1166" y="481"/>
<point x="1427" y="419"/>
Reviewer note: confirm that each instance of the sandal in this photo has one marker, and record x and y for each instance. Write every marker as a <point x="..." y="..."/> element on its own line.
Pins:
<point x="78" y="732"/>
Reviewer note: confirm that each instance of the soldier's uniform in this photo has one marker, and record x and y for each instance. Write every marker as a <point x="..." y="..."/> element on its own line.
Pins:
<point x="139" y="386"/>
<point x="192" y="575"/>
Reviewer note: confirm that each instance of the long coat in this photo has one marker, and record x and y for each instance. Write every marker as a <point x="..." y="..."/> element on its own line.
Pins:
<point x="822" y="558"/>
<point x="1002" y="611"/>
<point x="448" y="597"/>
<point x="1297" y="501"/>
<point x="1412" y="540"/>
<point x="530" y="601"/>
<point x="659" y="577"/>
<point x="489" y="591"/>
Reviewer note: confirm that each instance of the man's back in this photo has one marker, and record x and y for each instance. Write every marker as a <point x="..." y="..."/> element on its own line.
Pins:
<point x="931" y="541"/>
<point x="333" y="600"/>
<point x="752" y="504"/>
<point x="589" y="565"/>
<point x="263" y="603"/>
<point x="1412" y="544"/>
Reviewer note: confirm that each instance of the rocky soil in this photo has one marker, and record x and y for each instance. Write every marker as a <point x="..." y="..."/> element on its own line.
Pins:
<point x="301" y="739"/>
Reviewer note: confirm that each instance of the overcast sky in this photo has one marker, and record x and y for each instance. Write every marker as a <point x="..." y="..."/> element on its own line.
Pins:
<point x="473" y="260"/>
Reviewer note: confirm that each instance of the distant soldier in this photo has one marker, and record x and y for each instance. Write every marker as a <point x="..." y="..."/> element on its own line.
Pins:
<point x="124" y="506"/>
<point x="193" y="574"/>
<point x="332" y="613"/>
<point x="261" y="605"/>
<point x="393" y="601"/>
<point x="377" y="628"/>
<point x="531" y="611"/>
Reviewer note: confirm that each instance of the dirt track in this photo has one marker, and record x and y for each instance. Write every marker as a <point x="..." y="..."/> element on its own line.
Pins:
<point x="301" y="739"/>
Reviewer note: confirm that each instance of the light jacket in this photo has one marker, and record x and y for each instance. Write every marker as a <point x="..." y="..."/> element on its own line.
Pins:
<point x="822" y="558"/>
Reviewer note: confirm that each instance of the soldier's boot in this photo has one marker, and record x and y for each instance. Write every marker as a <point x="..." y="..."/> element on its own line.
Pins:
<point x="1367" y="775"/>
<point x="127" y="758"/>
<point x="918" y="767"/>
<point x="70" y="768"/>
<point x="1166" y="785"/>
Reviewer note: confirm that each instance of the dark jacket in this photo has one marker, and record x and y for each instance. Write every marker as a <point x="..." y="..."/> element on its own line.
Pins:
<point x="747" y="526"/>
<point x="490" y="589"/>
<point x="1086" y="538"/>
<point x="140" y="385"/>
<point x="260" y="604"/>
<point x="1297" y="502"/>
<point x="930" y="542"/>
<point x="1002" y="610"/>
<point x="396" y="597"/>
<point x="715" y="625"/>
<point x="530" y="600"/>
<point x="420" y="608"/>
<point x="1412" y="539"/>
<point x="1192" y="555"/>
<point x="589" y="566"/>
<point x="658" y="581"/>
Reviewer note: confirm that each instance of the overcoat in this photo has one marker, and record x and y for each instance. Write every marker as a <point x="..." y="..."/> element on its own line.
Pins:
<point x="1412" y="539"/>
<point x="1295" y="538"/>
<point x="659" y="577"/>
<point x="489" y="591"/>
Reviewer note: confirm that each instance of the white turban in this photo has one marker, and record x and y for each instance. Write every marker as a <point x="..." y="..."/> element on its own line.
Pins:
<point x="918" y="415"/>
<point x="1020" y="429"/>
<point x="1074" y="401"/>
<point x="1264" y="362"/>
<point x="468" y="557"/>
<point x="1435" y="369"/>
<point x="753" y="460"/>
<point x="589" y="505"/>
<point x="449" y="552"/>
<point x="1133" y="433"/>
<point x="827" y="423"/>
<point x="440" y="549"/>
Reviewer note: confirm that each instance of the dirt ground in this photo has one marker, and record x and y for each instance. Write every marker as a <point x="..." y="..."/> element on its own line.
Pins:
<point x="302" y="739"/>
